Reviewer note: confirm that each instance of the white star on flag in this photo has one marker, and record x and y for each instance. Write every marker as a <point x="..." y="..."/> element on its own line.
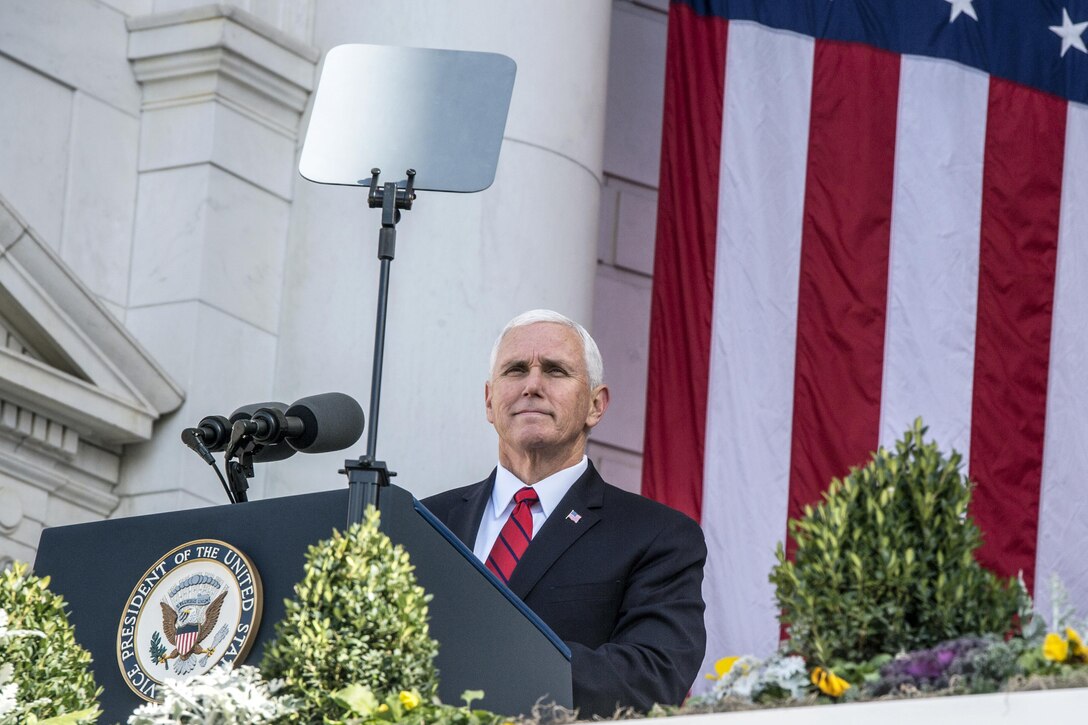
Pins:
<point x="1070" y="33"/>
<point x="962" y="6"/>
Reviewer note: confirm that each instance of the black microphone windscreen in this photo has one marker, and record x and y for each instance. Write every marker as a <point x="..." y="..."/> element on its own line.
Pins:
<point x="246" y="411"/>
<point x="214" y="431"/>
<point x="331" y="421"/>
<point x="267" y="454"/>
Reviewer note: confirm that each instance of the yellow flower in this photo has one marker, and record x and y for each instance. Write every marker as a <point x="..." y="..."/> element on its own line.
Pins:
<point x="722" y="667"/>
<point x="1055" y="648"/>
<point x="383" y="708"/>
<point x="828" y="682"/>
<point x="410" y="700"/>
<point x="1076" y="645"/>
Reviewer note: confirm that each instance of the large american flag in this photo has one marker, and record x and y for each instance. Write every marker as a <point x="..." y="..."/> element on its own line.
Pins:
<point x="870" y="210"/>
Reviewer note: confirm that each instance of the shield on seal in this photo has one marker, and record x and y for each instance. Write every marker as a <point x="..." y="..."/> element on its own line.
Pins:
<point x="186" y="639"/>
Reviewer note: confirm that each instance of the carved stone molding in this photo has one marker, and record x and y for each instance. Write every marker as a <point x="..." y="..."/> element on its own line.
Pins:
<point x="38" y="430"/>
<point x="222" y="53"/>
<point x="65" y="361"/>
<point x="75" y="387"/>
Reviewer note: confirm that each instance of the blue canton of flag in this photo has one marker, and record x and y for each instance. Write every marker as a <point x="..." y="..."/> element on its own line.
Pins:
<point x="1039" y="43"/>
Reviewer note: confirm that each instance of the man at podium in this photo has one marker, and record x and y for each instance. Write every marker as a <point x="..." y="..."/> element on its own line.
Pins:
<point x="617" y="576"/>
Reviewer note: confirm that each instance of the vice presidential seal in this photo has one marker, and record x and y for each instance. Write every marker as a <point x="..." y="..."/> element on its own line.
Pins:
<point x="196" y="607"/>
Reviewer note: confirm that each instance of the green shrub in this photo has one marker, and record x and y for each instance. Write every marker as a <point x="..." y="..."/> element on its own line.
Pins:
<point x="885" y="562"/>
<point x="52" y="672"/>
<point x="358" y="617"/>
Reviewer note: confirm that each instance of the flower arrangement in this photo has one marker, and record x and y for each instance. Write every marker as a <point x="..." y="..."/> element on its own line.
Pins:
<point x="884" y="597"/>
<point x="1036" y="657"/>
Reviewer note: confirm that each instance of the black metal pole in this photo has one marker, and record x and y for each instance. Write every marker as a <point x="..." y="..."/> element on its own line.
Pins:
<point x="366" y="476"/>
<point x="387" y="242"/>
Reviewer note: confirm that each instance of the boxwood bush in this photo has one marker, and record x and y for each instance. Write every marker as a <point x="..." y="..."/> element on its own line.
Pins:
<point x="53" y="671"/>
<point x="358" y="617"/>
<point x="885" y="561"/>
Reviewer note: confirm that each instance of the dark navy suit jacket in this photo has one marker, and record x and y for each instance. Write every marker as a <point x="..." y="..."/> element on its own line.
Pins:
<point x="622" y="587"/>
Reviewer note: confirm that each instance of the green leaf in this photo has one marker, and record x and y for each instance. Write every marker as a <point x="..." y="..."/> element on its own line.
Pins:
<point x="470" y="696"/>
<point x="359" y="700"/>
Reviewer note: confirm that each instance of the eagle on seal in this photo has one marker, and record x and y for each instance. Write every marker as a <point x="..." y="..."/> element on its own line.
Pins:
<point x="187" y="628"/>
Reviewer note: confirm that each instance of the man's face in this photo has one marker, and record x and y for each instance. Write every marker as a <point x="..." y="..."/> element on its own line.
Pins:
<point x="538" y="397"/>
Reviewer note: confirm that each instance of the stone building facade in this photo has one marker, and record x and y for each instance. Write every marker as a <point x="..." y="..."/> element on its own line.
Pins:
<point x="162" y="260"/>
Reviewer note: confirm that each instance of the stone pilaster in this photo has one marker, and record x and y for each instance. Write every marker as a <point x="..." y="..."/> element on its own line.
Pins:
<point x="222" y="96"/>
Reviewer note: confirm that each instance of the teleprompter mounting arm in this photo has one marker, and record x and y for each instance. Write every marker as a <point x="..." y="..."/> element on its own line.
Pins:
<point x="366" y="475"/>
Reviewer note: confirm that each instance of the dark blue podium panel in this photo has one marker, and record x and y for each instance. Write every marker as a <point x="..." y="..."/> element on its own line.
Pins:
<point x="488" y="639"/>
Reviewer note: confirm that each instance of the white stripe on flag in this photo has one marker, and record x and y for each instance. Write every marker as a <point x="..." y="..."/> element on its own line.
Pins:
<point x="929" y="344"/>
<point x="1063" y="505"/>
<point x="768" y="80"/>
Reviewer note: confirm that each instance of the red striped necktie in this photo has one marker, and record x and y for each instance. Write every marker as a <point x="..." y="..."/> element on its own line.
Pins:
<point x="515" y="536"/>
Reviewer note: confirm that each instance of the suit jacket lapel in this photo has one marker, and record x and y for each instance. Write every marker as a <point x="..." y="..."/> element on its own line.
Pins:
<point x="559" y="532"/>
<point x="464" y="518"/>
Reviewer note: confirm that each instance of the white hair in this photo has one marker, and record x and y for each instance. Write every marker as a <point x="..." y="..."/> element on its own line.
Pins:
<point x="592" y="354"/>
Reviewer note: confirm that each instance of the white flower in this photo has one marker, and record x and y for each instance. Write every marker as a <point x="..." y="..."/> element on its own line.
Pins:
<point x="8" y="689"/>
<point x="738" y="680"/>
<point x="750" y="677"/>
<point x="221" y="695"/>
<point x="788" y="673"/>
<point x="743" y="685"/>
<point x="7" y="698"/>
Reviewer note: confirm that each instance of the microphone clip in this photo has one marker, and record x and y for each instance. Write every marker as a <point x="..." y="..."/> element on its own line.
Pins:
<point x="242" y="447"/>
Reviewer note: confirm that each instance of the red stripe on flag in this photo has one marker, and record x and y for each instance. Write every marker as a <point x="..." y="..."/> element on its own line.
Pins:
<point x="683" y="292"/>
<point x="844" y="265"/>
<point x="1021" y="198"/>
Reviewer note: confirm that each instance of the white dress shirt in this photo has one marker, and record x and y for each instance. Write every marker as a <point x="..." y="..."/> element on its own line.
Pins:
<point x="550" y="491"/>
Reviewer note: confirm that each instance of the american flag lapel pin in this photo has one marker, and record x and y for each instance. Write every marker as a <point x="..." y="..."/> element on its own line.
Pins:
<point x="574" y="517"/>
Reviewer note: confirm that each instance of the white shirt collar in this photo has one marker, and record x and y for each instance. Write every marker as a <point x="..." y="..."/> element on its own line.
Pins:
<point x="550" y="490"/>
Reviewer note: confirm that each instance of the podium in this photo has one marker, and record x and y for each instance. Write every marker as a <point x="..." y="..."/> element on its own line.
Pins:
<point x="488" y="638"/>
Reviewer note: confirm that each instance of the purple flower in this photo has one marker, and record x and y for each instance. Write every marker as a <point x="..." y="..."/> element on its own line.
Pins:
<point x="928" y="665"/>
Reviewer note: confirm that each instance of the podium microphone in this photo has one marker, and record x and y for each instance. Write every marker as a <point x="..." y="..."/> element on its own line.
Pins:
<point x="268" y="452"/>
<point x="212" y="435"/>
<point x="315" y="424"/>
